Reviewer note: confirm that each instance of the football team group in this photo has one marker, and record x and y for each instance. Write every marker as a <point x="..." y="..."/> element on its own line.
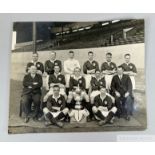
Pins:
<point x="75" y="93"/>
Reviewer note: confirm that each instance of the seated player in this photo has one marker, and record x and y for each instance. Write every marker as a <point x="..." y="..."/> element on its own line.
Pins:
<point x="56" y="79"/>
<point x="108" y="68"/>
<point x="89" y="68"/>
<point x="96" y="83"/>
<point x="121" y="87"/>
<point x="130" y="69"/>
<point x="35" y="62"/>
<point x="31" y="93"/>
<point x="55" y="109"/>
<point x="78" y="106"/>
<point x="103" y="109"/>
<point x="49" y="66"/>
<point x="77" y="81"/>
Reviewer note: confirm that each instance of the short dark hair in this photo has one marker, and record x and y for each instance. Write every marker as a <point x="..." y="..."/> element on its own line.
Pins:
<point x="109" y="54"/>
<point x="127" y="55"/>
<point x="97" y="70"/>
<point x="90" y="52"/>
<point x="71" y="52"/>
<point x="35" y="53"/>
<point x="56" y="86"/>
<point x="120" y="67"/>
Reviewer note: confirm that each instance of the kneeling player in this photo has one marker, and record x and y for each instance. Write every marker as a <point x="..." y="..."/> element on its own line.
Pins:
<point x="78" y="103"/>
<point x="56" y="109"/>
<point x="103" y="108"/>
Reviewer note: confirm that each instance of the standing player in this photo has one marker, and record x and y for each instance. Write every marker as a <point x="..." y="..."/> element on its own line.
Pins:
<point x="103" y="108"/>
<point x="31" y="93"/>
<point x="129" y="69"/>
<point x="69" y="66"/>
<point x="121" y="87"/>
<point x="49" y="66"/>
<point x="35" y="62"/>
<point x="89" y="68"/>
<point x="56" y="109"/>
<point x="108" y="68"/>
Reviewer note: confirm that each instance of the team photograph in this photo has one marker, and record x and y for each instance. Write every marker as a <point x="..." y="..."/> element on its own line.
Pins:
<point x="77" y="77"/>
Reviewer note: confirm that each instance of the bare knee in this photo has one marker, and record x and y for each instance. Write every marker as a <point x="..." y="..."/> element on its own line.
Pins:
<point x="65" y="111"/>
<point x="114" y="110"/>
<point x="94" y="109"/>
<point x="45" y="110"/>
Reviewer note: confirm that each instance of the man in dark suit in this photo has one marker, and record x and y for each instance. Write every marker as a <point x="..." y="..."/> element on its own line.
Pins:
<point x="32" y="84"/>
<point x="121" y="88"/>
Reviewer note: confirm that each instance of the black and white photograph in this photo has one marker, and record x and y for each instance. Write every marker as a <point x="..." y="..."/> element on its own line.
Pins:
<point x="77" y="77"/>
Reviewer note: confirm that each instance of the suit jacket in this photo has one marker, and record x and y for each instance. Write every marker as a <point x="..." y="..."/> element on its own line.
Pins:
<point x="29" y="81"/>
<point x="121" y="85"/>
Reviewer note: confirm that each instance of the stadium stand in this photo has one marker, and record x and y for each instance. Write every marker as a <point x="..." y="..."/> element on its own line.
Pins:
<point x="91" y="35"/>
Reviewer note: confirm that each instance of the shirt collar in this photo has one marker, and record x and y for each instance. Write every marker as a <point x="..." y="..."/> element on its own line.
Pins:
<point x="102" y="97"/>
<point x="108" y="62"/>
<point x="77" y="78"/>
<point x="53" y="60"/>
<point x="57" y="74"/>
<point x="34" y="62"/>
<point x="56" y="97"/>
<point x="99" y="78"/>
<point x="91" y="61"/>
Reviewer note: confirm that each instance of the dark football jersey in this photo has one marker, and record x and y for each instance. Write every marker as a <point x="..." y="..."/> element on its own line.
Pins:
<point x="129" y="67"/>
<point x="59" y="102"/>
<point x="106" y="102"/>
<point x="57" y="79"/>
<point x="49" y="66"/>
<point x="74" y="83"/>
<point x="97" y="84"/>
<point x="90" y="65"/>
<point x="111" y="66"/>
<point x="38" y="65"/>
